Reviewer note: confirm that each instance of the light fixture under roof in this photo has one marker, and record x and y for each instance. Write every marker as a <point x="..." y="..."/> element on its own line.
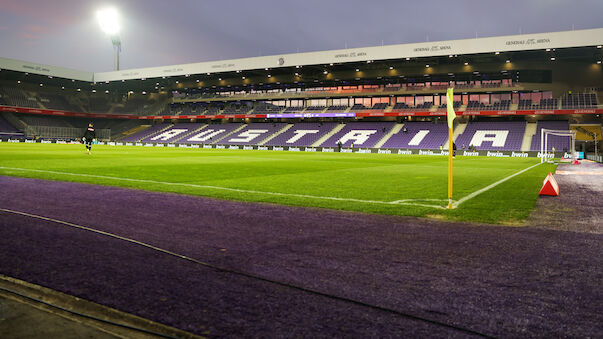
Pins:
<point x="466" y="64"/>
<point x="508" y="61"/>
<point x="552" y="58"/>
<point x="497" y="53"/>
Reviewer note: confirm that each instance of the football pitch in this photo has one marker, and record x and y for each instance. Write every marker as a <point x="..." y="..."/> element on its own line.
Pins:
<point x="486" y="189"/>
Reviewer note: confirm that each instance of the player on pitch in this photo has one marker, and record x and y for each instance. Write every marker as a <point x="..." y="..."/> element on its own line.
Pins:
<point x="89" y="137"/>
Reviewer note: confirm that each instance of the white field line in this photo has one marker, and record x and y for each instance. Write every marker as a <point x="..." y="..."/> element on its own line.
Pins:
<point x="480" y="191"/>
<point x="397" y="202"/>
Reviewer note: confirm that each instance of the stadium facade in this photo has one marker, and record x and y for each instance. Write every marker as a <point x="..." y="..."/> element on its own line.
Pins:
<point x="374" y="98"/>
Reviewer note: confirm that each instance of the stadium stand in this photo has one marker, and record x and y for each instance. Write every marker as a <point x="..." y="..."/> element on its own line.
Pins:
<point x="173" y="133"/>
<point x="419" y="135"/>
<point x="146" y="134"/>
<point x="359" y="134"/>
<point x="559" y="142"/>
<point x="579" y="100"/>
<point x="492" y="136"/>
<point x="252" y="134"/>
<point x="7" y="130"/>
<point x="302" y="134"/>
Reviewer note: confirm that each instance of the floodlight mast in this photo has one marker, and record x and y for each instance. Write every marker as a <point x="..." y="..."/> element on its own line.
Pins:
<point x="108" y="20"/>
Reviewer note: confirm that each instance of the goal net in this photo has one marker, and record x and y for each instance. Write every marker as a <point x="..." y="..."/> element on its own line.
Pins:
<point x="548" y="143"/>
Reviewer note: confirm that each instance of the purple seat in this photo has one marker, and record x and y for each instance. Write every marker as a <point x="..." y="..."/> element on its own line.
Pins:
<point x="302" y="134"/>
<point x="419" y="135"/>
<point x="253" y="134"/>
<point x="359" y="134"/>
<point x="559" y="142"/>
<point x="493" y="136"/>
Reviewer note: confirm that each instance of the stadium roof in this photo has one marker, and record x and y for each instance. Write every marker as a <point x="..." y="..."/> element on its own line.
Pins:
<point x="524" y="42"/>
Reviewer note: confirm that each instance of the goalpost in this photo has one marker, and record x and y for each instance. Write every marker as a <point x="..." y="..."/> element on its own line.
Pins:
<point x="544" y="139"/>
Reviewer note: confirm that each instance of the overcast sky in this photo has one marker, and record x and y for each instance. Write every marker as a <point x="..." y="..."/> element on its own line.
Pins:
<point x="167" y="32"/>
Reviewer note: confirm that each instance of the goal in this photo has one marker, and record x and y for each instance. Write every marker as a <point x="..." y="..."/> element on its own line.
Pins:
<point x="544" y="143"/>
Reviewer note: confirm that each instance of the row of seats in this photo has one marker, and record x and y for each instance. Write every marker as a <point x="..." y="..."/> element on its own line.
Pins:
<point x="497" y="136"/>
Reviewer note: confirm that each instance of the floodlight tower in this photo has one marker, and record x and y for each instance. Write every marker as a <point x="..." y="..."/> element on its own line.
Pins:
<point x="109" y="21"/>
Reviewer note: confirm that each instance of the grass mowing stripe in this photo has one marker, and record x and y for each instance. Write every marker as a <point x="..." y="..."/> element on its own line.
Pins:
<point x="397" y="202"/>
<point x="480" y="191"/>
<point x="403" y="185"/>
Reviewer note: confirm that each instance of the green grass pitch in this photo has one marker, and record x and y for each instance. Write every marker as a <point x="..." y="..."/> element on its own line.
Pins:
<point x="409" y="185"/>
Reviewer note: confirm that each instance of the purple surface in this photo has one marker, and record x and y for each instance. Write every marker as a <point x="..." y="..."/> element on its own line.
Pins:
<point x="259" y="131"/>
<point x="559" y="142"/>
<point x="512" y="142"/>
<point x="285" y="138"/>
<point x="505" y="282"/>
<point x="437" y="136"/>
<point x="147" y="133"/>
<point x="380" y="129"/>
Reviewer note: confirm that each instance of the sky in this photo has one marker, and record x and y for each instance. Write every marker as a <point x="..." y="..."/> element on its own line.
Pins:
<point x="65" y="33"/>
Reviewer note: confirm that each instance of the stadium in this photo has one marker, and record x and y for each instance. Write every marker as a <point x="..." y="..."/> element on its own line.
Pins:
<point x="305" y="194"/>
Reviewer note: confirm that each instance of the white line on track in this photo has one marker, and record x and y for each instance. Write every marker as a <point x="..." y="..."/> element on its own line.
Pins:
<point x="397" y="202"/>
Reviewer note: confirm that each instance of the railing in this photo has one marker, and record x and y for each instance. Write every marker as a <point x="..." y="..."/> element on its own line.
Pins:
<point x="597" y="158"/>
<point x="63" y="132"/>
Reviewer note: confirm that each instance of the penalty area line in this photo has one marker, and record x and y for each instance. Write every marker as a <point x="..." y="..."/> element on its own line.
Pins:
<point x="238" y="190"/>
<point x="480" y="191"/>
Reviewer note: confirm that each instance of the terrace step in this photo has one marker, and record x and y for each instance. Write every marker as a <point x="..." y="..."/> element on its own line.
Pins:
<point x="133" y="131"/>
<point x="328" y="135"/>
<point x="459" y="129"/>
<point x="186" y="135"/>
<point x="284" y="129"/>
<point x="231" y="132"/>
<point x="527" y="136"/>
<point x="157" y="132"/>
<point x="394" y="130"/>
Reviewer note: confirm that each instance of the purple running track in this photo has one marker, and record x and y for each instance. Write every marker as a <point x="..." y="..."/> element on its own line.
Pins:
<point x="499" y="281"/>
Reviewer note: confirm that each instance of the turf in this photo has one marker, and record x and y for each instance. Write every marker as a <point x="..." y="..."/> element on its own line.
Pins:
<point x="361" y="182"/>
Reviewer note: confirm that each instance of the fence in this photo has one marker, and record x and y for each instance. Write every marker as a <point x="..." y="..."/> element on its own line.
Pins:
<point x="63" y="132"/>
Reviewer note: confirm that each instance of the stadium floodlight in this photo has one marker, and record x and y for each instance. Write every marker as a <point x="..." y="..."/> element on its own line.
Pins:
<point x="108" y="20"/>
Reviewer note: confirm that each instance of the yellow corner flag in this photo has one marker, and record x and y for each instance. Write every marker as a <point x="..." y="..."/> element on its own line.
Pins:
<point x="451" y="115"/>
<point x="450" y="106"/>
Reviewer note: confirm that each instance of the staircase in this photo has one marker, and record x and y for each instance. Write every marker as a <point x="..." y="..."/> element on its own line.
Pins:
<point x="13" y="120"/>
<point x="328" y="135"/>
<point x="527" y="136"/>
<point x="386" y="137"/>
<point x="228" y="134"/>
<point x="186" y="135"/>
<point x="283" y="130"/>
<point x="460" y="129"/>
<point x="132" y="131"/>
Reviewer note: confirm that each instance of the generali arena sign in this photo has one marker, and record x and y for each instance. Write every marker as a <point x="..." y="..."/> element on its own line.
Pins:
<point x="313" y="115"/>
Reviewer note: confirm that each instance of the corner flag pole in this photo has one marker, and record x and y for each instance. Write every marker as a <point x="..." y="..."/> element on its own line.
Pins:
<point x="450" y="115"/>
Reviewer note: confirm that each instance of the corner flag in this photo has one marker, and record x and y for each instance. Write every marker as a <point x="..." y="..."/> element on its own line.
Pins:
<point x="451" y="115"/>
<point x="450" y="106"/>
